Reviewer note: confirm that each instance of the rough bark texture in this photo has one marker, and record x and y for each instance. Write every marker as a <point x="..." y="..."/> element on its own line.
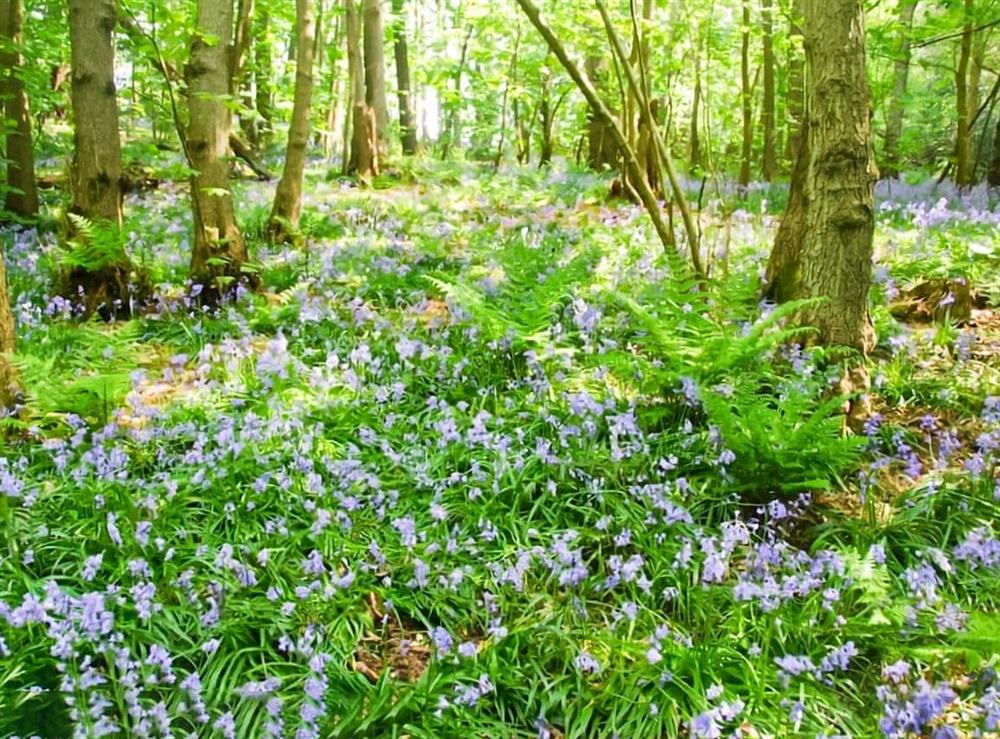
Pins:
<point x="837" y="213"/>
<point x="219" y="251"/>
<point x="22" y="197"/>
<point x="769" y="166"/>
<point x="375" y="94"/>
<point x="901" y="73"/>
<point x="364" y="152"/>
<point x="783" y="275"/>
<point x="288" y="196"/>
<point x="745" y="98"/>
<point x="963" y="130"/>
<point x="96" y="171"/>
<point x="96" y="174"/>
<point x="404" y="85"/>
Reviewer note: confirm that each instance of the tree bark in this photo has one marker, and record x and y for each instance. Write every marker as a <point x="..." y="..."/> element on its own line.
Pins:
<point x="375" y="95"/>
<point x="407" y="117"/>
<point x="219" y="251"/>
<point x="746" y="151"/>
<point x="288" y="196"/>
<point x="769" y="167"/>
<point x="364" y="159"/>
<point x="96" y="170"/>
<point x="22" y="195"/>
<point x="901" y="73"/>
<point x="834" y="218"/>
<point x="963" y="132"/>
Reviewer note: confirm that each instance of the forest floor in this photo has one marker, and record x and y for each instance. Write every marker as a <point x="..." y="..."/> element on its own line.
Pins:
<point x="481" y="460"/>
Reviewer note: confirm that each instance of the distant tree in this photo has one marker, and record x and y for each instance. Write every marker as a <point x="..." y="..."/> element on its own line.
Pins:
<point x="404" y="83"/>
<point x="219" y="253"/>
<point x="364" y="159"/>
<point x="897" y="107"/>
<point x="288" y="197"/>
<point x="22" y="192"/>
<point x="769" y="164"/>
<point x="375" y="92"/>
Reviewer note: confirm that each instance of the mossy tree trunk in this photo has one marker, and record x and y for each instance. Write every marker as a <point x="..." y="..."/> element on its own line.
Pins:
<point x="219" y="250"/>
<point x="288" y="197"/>
<point x="22" y="194"/>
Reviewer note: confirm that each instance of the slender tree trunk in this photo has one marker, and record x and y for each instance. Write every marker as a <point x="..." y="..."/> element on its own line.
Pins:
<point x="288" y="196"/>
<point x="897" y="105"/>
<point x="695" y="163"/>
<point x="8" y="343"/>
<point x="22" y="194"/>
<point x="796" y="84"/>
<point x="219" y="251"/>
<point x="407" y="118"/>
<point x="453" y="126"/>
<point x="263" y="72"/>
<point x="746" y="100"/>
<point x="963" y="133"/>
<point x="364" y="159"/>
<point x="769" y="166"/>
<point x="834" y="217"/>
<point x="375" y="94"/>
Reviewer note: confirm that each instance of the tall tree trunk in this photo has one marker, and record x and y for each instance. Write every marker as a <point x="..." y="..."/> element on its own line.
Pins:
<point x="364" y="160"/>
<point x="288" y="196"/>
<point x="835" y="215"/>
<point x="96" y="170"/>
<point x="219" y="250"/>
<point x="769" y="166"/>
<point x="407" y="117"/>
<point x="22" y="194"/>
<point x="901" y="73"/>
<point x="963" y="132"/>
<point x="375" y="94"/>
<point x="8" y="343"/>
<point x="97" y="161"/>
<point x="796" y="84"/>
<point x="745" y="98"/>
